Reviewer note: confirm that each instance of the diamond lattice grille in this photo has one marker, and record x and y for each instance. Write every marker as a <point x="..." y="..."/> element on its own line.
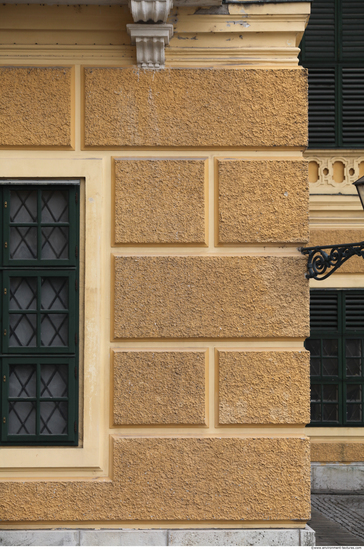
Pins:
<point x="22" y="381"/>
<point x="53" y="417"/>
<point x="54" y="293"/>
<point x="54" y="381"/>
<point x="22" y="418"/>
<point x="54" y="206"/>
<point x="23" y="206"/>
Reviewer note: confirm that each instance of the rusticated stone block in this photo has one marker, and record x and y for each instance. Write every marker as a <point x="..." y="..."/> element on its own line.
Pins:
<point x="264" y="387"/>
<point x="153" y="387"/>
<point x="177" y="479"/>
<point x="160" y="201"/>
<point x="321" y="237"/>
<point x="263" y="201"/>
<point x="337" y="451"/>
<point x="214" y="478"/>
<point x="210" y="297"/>
<point x="35" y="107"/>
<point x="126" y="107"/>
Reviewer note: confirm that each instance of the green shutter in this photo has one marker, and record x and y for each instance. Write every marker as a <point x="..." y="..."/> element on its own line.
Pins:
<point x="333" y="50"/>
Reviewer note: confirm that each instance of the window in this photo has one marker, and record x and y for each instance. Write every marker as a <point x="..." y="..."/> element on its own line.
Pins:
<point x="333" y="50"/>
<point x="39" y="300"/>
<point x="337" y="357"/>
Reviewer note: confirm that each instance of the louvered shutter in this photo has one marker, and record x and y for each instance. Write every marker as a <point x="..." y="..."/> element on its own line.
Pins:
<point x="354" y="311"/>
<point x="333" y="52"/>
<point x="324" y="311"/>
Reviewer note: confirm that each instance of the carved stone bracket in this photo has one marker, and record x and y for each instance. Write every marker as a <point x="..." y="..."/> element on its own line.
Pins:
<point x="150" y="10"/>
<point x="150" y="41"/>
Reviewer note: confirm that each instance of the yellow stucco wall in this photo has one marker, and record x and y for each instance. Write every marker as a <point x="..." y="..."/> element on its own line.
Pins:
<point x="163" y="297"/>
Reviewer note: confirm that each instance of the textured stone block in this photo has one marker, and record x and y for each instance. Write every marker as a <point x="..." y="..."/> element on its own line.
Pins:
<point x="35" y="107"/>
<point x="210" y="297"/>
<point x="160" y="201"/>
<point x="263" y="201"/>
<point x="234" y="537"/>
<point x="195" y="107"/>
<point x="214" y="478"/>
<point x="337" y="478"/>
<point x="39" y="538"/>
<point x="152" y="387"/>
<point x="321" y="237"/>
<point x="271" y="387"/>
<point x="123" y="537"/>
<point x="337" y="451"/>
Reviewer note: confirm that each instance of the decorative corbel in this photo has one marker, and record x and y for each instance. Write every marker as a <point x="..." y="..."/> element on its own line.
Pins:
<point x="151" y="36"/>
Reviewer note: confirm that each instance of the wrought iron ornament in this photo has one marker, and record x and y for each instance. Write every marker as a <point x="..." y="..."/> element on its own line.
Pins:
<point x="321" y="264"/>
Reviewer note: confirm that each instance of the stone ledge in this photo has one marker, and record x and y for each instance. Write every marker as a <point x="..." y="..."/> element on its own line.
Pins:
<point x="158" y="537"/>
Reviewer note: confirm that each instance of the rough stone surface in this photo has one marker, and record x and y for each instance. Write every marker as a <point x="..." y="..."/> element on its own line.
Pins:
<point x="160" y="201"/>
<point x="39" y="538"/>
<point x="234" y="537"/>
<point x="307" y="537"/>
<point x="264" y="387"/>
<point x="177" y="479"/>
<point x="159" y="387"/>
<point x="210" y="297"/>
<point x="195" y="107"/>
<point x="337" y="451"/>
<point x="124" y="537"/>
<point x="35" y="107"/>
<point x="337" y="478"/>
<point x="320" y="237"/>
<point x="263" y="201"/>
<point x="214" y="478"/>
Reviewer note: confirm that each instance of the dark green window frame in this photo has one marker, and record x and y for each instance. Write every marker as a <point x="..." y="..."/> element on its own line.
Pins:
<point x="332" y="50"/>
<point x="50" y="355"/>
<point x="336" y="346"/>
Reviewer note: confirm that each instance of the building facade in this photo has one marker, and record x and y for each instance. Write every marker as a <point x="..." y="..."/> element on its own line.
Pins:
<point x="154" y="303"/>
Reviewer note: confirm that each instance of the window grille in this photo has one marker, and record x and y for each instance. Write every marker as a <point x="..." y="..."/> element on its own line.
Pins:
<point x="39" y="279"/>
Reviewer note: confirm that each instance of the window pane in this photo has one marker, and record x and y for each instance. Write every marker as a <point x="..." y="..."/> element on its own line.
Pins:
<point x="23" y="206"/>
<point x="53" y="418"/>
<point x="330" y="413"/>
<point x="23" y="293"/>
<point x="354" y="412"/>
<point x="353" y="348"/>
<point x="315" y="392"/>
<point x="54" y="206"/>
<point x="22" y="330"/>
<point x="353" y="366"/>
<point x="54" y="243"/>
<point x="353" y="392"/>
<point x="54" y="293"/>
<point x="22" y="418"/>
<point x="313" y="346"/>
<point x="329" y="347"/>
<point x="330" y="392"/>
<point x="315" y="412"/>
<point x="54" y="381"/>
<point x="22" y="381"/>
<point x="330" y="366"/>
<point x="54" y="330"/>
<point x="315" y="367"/>
<point x="23" y="243"/>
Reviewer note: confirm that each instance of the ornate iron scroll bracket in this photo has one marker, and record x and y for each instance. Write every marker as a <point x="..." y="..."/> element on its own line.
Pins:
<point x="319" y="261"/>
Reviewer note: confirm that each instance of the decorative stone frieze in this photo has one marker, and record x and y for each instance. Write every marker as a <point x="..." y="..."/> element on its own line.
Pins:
<point x="150" y="10"/>
<point x="150" y="41"/>
<point x="331" y="171"/>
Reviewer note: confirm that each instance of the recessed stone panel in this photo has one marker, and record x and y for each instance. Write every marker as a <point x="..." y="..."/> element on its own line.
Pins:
<point x="206" y="478"/>
<point x="35" y="107"/>
<point x="154" y="387"/>
<point x="210" y="297"/>
<point x="128" y="107"/>
<point x="264" y="387"/>
<point x="262" y="201"/>
<point x="160" y="201"/>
